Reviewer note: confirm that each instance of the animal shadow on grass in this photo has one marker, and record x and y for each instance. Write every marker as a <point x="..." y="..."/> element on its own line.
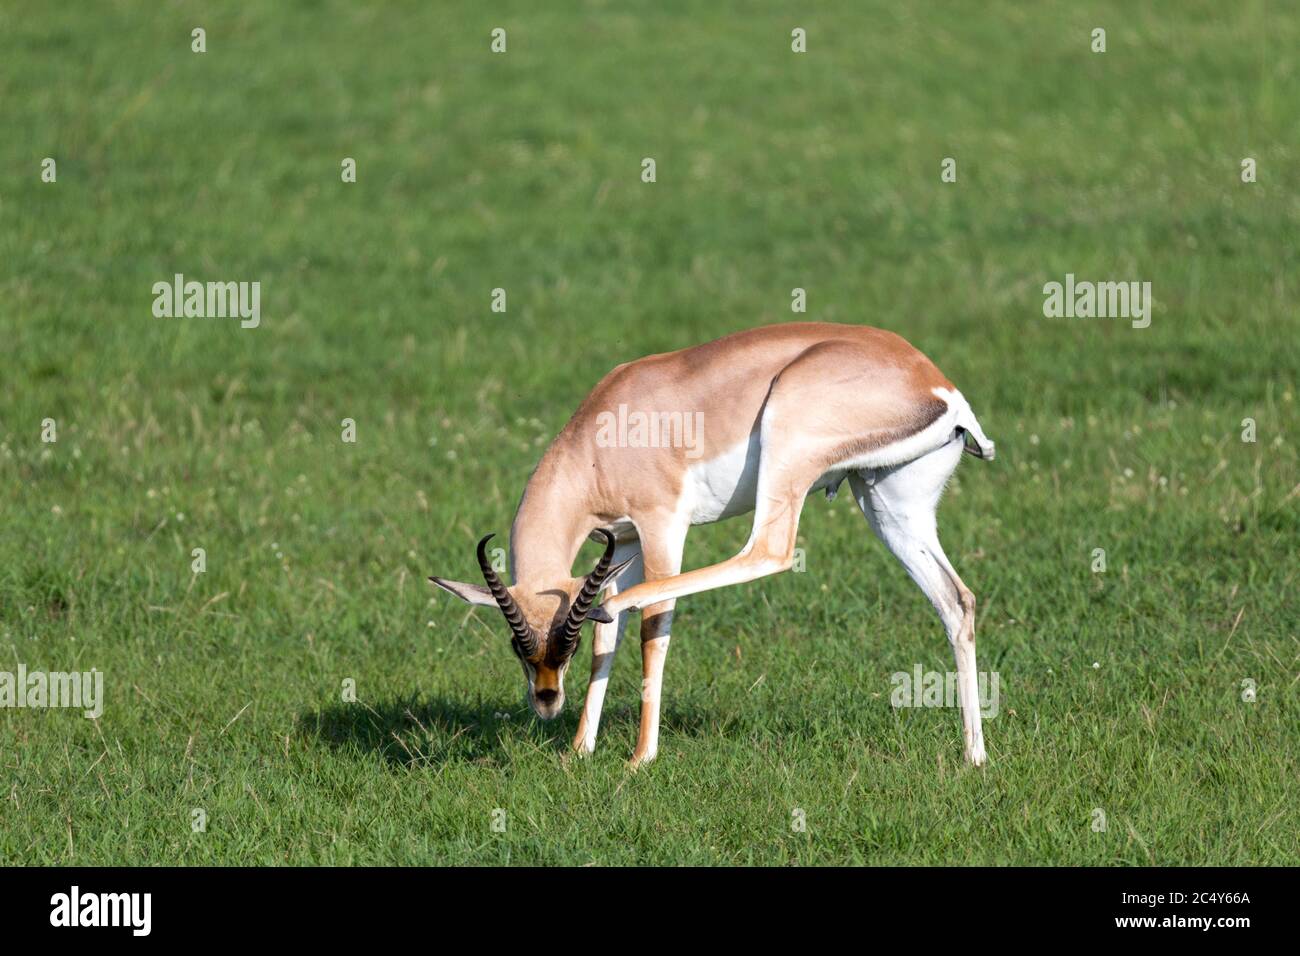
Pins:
<point x="412" y="733"/>
<point x="409" y="732"/>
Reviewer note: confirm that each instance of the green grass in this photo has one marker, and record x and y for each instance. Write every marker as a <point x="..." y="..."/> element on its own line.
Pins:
<point x="1119" y="691"/>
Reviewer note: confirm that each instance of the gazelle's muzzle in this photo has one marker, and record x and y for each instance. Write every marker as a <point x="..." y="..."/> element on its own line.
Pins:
<point x="546" y="703"/>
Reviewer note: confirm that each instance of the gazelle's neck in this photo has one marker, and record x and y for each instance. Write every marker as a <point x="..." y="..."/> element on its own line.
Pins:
<point x="552" y="522"/>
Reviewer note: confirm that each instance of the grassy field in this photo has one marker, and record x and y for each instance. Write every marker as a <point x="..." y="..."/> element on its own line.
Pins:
<point x="1121" y="691"/>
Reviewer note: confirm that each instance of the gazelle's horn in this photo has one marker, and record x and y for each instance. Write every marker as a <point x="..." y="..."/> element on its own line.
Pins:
<point x="567" y="636"/>
<point x="524" y="635"/>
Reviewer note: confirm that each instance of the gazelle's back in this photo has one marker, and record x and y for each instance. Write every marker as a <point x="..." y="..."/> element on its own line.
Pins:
<point x="730" y="377"/>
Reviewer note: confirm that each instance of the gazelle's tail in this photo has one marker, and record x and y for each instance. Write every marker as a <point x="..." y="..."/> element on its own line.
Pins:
<point x="983" y="448"/>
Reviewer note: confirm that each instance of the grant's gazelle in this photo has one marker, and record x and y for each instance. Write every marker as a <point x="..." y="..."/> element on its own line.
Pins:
<point x="779" y="411"/>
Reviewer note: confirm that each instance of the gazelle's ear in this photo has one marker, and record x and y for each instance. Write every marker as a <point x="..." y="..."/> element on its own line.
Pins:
<point x="469" y="593"/>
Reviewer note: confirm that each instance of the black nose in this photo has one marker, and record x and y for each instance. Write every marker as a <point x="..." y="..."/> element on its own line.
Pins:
<point x="547" y="696"/>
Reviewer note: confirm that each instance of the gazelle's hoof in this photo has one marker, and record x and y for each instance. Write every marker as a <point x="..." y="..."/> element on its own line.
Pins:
<point x="977" y="757"/>
<point x="640" y="760"/>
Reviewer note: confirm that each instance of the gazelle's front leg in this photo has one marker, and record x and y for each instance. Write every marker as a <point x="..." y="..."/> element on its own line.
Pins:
<point x="662" y="557"/>
<point x="603" y="648"/>
<point x="656" y="624"/>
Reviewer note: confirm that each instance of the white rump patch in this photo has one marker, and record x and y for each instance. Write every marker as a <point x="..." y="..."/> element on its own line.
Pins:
<point x="966" y="420"/>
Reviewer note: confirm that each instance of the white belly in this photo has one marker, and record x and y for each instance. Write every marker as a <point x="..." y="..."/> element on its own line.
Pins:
<point x="725" y="486"/>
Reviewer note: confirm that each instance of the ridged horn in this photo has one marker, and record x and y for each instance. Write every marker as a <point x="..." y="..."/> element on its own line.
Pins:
<point x="524" y="635"/>
<point x="566" y="637"/>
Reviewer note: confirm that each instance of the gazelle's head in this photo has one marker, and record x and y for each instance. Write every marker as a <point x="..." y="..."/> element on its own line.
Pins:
<point x="544" y="625"/>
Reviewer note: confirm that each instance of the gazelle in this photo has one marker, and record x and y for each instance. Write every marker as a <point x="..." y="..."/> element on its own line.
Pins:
<point x="786" y="410"/>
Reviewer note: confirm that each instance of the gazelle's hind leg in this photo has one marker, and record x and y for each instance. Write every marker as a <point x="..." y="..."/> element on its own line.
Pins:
<point x="900" y="502"/>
